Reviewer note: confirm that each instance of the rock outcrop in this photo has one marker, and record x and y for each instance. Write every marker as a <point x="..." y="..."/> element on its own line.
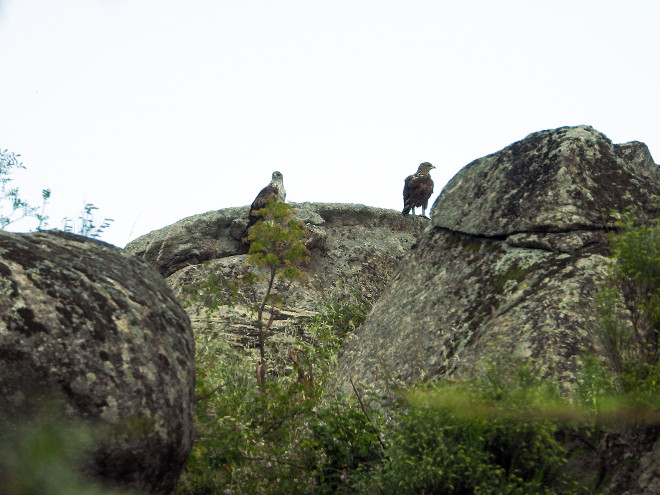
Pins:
<point x="355" y="245"/>
<point x="508" y="268"/>
<point x="101" y="329"/>
<point x="510" y="264"/>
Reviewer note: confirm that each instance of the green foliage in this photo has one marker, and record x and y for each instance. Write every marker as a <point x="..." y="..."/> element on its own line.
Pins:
<point x="210" y="295"/>
<point x="636" y="274"/>
<point x="281" y="437"/>
<point x="629" y="308"/>
<point x="277" y="241"/>
<point x="343" y="311"/>
<point x="276" y="245"/>
<point x="594" y="385"/>
<point x="12" y="206"/>
<point x="489" y="436"/>
<point x="497" y="435"/>
<point x="43" y="452"/>
<point x="345" y="446"/>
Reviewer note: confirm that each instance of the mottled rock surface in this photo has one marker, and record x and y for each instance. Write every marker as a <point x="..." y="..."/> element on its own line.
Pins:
<point x="101" y="328"/>
<point x="563" y="180"/>
<point x="355" y="245"/>
<point x="193" y="240"/>
<point x="632" y="458"/>
<point x="510" y="264"/>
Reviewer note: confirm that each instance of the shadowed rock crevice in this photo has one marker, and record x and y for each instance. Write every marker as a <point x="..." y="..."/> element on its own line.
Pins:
<point x="563" y="241"/>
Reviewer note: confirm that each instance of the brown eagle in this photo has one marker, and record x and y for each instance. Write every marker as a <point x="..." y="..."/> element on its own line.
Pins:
<point x="417" y="189"/>
<point x="273" y="190"/>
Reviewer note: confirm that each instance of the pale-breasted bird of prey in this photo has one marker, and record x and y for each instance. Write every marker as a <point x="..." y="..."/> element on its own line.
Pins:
<point x="417" y="189"/>
<point x="273" y="190"/>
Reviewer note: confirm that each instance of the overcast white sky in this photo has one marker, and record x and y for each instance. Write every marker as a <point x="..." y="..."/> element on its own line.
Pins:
<point x="155" y="110"/>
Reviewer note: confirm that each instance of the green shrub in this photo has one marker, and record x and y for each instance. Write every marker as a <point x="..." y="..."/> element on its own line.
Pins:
<point x="629" y="306"/>
<point x="283" y="436"/>
<point x="342" y="312"/>
<point x="478" y="437"/>
<point x="271" y="439"/>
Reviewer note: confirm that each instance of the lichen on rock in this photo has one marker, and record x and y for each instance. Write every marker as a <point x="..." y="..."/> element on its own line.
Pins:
<point x="510" y="265"/>
<point x="100" y="329"/>
<point x="349" y="244"/>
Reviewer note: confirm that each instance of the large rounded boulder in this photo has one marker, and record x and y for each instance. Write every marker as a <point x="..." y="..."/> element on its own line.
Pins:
<point x="510" y="266"/>
<point x="100" y="329"/>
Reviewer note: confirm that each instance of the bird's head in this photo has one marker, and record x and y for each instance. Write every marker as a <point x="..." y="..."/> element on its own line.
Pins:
<point x="425" y="168"/>
<point x="277" y="176"/>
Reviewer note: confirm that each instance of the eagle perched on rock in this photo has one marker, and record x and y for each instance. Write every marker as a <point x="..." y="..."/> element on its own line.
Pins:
<point x="273" y="190"/>
<point x="417" y="189"/>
